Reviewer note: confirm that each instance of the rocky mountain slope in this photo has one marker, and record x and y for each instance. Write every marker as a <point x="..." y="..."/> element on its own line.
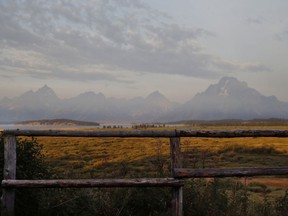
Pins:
<point x="230" y="99"/>
<point x="227" y="99"/>
<point x="89" y="106"/>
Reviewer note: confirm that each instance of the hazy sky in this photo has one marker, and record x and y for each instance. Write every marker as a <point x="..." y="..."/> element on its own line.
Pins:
<point x="127" y="48"/>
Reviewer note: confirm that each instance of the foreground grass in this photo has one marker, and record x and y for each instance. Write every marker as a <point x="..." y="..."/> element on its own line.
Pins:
<point x="143" y="157"/>
<point x="146" y="157"/>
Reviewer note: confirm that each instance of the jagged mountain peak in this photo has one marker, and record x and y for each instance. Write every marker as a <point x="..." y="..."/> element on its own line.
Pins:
<point x="228" y="86"/>
<point x="46" y="92"/>
<point x="100" y="94"/>
<point x="45" y="89"/>
<point x="91" y="94"/>
<point x="228" y="98"/>
<point x="231" y="98"/>
<point x="156" y="95"/>
<point x="230" y="82"/>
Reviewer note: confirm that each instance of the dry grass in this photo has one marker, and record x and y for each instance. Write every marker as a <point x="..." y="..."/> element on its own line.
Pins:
<point x="272" y="182"/>
<point x="145" y="157"/>
<point x="102" y="157"/>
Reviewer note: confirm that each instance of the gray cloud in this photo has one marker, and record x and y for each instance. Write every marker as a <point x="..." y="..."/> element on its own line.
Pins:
<point x="68" y="38"/>
<point x="72" y="75"/>
<point x="238" y="66"/>
<point x="254" y="20"/>
<point x="283" y="35"/>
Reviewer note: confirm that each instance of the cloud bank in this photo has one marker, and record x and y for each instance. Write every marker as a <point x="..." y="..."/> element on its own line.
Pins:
<point x="93" y="39"/>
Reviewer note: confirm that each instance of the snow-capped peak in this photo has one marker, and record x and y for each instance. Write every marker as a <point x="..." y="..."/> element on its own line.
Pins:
<point x="224" y="89"/>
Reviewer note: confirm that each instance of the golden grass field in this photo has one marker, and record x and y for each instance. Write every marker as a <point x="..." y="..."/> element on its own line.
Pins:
<point x="68" y="158"/>
<point x="147" y="157"/>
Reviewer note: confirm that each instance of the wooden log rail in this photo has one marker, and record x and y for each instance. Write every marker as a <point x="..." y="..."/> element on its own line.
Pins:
<point x="88" y="183"/>
<point x="231" y="172"/>
<point x="177" y="172"/>
<point x="151" y="133"/>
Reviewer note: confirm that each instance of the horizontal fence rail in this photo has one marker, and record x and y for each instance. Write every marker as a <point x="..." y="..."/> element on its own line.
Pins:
<point x="88" y="183"/>
<point x="178" y="174"/>
<point x="151" y="133"/>
<point x="92" y="133"/>
<point x="231" y="172"/>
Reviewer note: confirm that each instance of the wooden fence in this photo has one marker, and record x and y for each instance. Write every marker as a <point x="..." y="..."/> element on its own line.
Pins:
<point x="175" y="181"/>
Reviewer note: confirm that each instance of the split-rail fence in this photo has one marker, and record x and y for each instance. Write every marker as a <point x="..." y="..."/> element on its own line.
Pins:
<point x="175" y="181"/>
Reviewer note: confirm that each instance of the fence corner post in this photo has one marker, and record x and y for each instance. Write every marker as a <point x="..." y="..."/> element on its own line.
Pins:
<point x="8" y="195"/>
<point x="176" y="162"/>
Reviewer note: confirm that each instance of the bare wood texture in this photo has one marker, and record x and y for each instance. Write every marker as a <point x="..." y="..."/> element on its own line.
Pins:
<point x="175" y="154"/>
<point x="88" y="183"/>
<point x="9" y="157"/>
<point x="232" y="133"/>
<point x="176" y="162"/>
<point x="151" y="133"/>
<point x="9" y="183"/>
<point x="8" y="196"/>
<point x="93" y="133"/>
<point x="177" y="201"/>
<point x="231" y="172"/>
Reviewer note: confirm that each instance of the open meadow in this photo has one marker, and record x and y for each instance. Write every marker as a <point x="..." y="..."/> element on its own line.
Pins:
<point x="68" y="157"/>
<point x="149" y="157"/>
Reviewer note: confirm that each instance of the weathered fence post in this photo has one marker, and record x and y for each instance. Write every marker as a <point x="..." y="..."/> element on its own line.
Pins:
<point x="8" y="195"/>
<point x="177" y="192"/>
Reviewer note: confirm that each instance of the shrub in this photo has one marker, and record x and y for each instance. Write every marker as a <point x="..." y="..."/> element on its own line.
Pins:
<point x="205" y="198"/>
<point x="282" y="205"/>
<point x="30" y="165"/>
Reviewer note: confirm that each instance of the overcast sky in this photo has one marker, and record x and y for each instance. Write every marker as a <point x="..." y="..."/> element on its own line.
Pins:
<point x="127" y="48"/>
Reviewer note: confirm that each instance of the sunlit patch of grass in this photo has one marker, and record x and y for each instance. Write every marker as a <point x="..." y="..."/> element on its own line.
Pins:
<point x="274" y="182"/>
<point x="231" y="152"/>
<point x="237" y="148"/>
<point x="70" y="157"/>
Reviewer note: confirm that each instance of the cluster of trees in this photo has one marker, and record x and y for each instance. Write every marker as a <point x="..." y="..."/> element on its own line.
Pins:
<point x="113" y="126"/>
<point x="145" y="126"/>
<point x="237" y="122"/>
<point x="201" y="197"/>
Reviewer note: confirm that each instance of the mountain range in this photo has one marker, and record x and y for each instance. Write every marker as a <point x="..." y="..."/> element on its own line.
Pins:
<point x="227" y="99"/>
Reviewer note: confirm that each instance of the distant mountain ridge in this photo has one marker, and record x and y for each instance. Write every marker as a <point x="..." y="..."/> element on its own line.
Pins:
<point x="230" y="99"/>
<point x="227" y="99"/>
<point x="87" y="106"/>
